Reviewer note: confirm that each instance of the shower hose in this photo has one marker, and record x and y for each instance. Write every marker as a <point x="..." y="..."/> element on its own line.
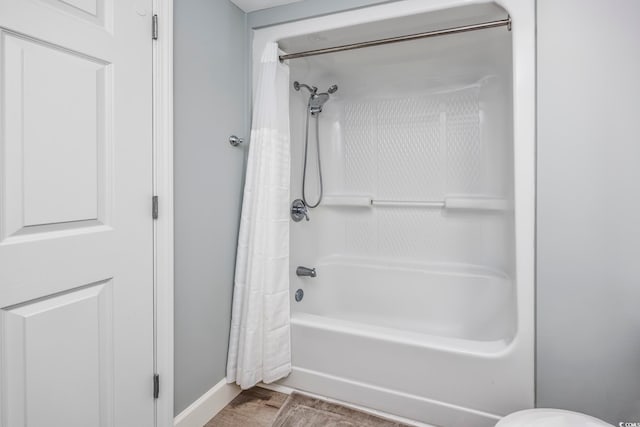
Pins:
<point x="304" y="171"/>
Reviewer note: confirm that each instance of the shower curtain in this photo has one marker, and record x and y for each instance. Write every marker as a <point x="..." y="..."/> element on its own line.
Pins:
<point x="260" y="343"/>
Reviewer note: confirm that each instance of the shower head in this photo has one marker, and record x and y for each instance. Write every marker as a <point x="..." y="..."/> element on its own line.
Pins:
<point x="316" y="102"/>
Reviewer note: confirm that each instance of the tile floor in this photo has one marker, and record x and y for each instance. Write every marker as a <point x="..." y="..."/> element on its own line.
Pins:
<point x="258" y="407"/>
<point x="255" y="407"/>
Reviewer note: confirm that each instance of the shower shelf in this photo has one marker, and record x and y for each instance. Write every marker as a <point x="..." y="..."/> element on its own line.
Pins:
<point x="457" y="203"/>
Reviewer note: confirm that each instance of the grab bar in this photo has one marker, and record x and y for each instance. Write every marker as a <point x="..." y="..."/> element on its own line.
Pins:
<point x="465" y="203"/>
<point x="453" y="202"/>
<point x="409" y="203"/>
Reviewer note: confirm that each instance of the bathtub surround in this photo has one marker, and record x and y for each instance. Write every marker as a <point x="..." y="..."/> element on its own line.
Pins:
<point x="260" y="342"/>
<point x="425" y="130"/>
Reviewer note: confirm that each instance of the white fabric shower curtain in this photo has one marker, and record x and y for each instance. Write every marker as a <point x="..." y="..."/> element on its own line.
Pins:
<point x="260" y="342"/>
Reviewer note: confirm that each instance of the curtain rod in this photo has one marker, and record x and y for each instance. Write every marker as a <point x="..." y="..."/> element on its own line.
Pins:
<point x="455" y="30"/>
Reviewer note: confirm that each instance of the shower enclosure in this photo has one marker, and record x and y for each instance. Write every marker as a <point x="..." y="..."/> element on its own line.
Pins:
<point x="421" y="301"/>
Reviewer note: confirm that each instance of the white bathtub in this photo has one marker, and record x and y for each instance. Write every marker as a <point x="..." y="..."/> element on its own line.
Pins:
<point x="419" y="311"/>
<point x="420" y="350"/>
<point x="451" y="303"/>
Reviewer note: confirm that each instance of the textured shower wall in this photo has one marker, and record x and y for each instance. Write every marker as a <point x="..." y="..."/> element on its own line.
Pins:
<point x="421" y="148"/>
<point x="394" y="149"/>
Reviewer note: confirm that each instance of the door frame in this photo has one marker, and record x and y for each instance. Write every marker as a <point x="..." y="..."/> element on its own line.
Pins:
<point x="163" y="226"/>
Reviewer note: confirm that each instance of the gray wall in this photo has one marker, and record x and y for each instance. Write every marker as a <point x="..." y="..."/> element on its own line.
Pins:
<point x="588" y="284"/>
<point x="209" y="59"/>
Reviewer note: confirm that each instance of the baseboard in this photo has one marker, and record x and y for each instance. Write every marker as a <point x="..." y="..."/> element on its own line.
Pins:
<point x="207" y="405"/>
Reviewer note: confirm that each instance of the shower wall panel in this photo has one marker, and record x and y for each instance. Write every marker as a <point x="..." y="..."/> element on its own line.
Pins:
<point x="422" y="148"/>
<point x="410" y="147"/>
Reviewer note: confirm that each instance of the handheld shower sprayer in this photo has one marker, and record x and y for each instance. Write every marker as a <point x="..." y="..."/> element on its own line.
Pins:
<point x="314" y="108"/>
<point x="316" y="100"/>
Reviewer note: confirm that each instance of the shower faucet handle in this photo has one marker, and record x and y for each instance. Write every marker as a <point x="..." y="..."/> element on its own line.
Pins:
<point x="299" y="210"/>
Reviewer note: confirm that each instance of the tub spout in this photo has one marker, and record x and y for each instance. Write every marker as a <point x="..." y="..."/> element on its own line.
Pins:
<point x="305" y="271"/>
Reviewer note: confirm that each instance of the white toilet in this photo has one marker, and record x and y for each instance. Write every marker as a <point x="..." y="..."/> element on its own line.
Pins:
<point x="550" y="418"/>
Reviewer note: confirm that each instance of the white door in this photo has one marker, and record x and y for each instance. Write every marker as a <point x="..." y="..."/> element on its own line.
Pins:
<point x="76" y="288"/>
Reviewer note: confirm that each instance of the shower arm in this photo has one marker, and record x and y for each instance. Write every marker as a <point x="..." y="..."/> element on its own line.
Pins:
<point x="298" y="85"/>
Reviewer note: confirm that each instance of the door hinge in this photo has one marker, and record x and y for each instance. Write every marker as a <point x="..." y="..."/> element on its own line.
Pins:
<point x="154" y="27"/>
<point x="154" y="207"/>
<point x="156" y="386"/>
